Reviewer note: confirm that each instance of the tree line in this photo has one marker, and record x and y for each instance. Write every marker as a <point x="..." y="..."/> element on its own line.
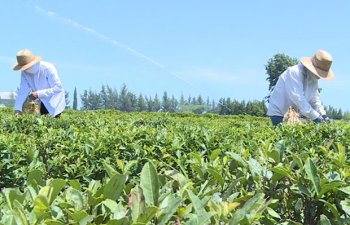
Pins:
<point x="127" y="101"/>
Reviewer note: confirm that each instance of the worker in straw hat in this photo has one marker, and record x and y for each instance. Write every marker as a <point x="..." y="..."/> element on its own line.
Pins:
<point x="298" y="87"/>
<point x="39" y="80"/>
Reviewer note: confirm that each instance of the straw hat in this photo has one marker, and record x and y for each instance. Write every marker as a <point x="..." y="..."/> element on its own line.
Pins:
<point x="320" y="64"/>
<point x="25" y="59"/>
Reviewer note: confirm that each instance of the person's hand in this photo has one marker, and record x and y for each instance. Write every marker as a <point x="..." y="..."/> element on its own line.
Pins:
<point x="33" y="96"/>
<point x="319" y="119"/>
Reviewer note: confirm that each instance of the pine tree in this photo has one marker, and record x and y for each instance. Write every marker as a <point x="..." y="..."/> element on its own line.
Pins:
<point x="75" y="99"/>
<point x="66" y="95"/>
<point x="182" y="99"/>
<point x="156" y="104"/>
<point x="166" y="104"/>
<point x="141" y="104"/>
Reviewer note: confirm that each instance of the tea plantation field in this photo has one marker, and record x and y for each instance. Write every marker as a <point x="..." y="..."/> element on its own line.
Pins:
<point x="108" y="167"/>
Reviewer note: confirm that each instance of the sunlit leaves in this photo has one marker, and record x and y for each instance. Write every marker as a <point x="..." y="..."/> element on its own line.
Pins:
<point x="107" y="167"/>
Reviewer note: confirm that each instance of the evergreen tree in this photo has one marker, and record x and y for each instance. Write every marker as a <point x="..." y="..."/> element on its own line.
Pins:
<point x="66" y="95"/>
<point x="149" y="103"/>
<point x="173" y="104"/>
<point x="132" y="100"/>
<point x="193" y="101"/>
<point x="200" y="100"/>
<point x="112" y="98"/>
<point x="84" y="100"/>
<point x="182" y="99"/>
<point x="95" y="100"/>
<point x="276" y="66"/>
<point x="213" y="105"/>
<point x="189" y="100"/>
<point x="75" y="99"/>
<point x="222" y="107"/>
<point x="156" y="104"/>
<point x="104" y="98"/>
<point x="141" y="104"/>
<point x="166" y="105"/>
<point x="122" y="101"/>
<point x="91" y="100"/>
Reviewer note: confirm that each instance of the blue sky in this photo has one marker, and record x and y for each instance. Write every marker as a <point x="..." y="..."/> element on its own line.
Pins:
<point x="212" y="48"/>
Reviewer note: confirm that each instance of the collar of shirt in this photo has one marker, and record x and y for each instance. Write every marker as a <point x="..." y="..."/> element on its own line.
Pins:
<point x="33" y="69"/>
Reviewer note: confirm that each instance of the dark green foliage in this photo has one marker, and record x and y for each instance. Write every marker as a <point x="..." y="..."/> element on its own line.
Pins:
<point x="276" y="66"/>
<point x="75" y="99"/>
<point x="162" y="168"/>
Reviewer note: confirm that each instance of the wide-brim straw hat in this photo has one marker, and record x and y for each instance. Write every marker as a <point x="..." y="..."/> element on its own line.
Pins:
<point x="25" y="59"/>
<point x="319" y="64"/>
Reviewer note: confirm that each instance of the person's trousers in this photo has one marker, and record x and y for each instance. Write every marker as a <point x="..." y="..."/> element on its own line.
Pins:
<point x="43" y="111"/>
<point x="276" y="120"/>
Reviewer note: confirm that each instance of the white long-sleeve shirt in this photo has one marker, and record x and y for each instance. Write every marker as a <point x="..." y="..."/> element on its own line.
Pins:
<point x="295" y="88"/>
<point x="47" y="84"/>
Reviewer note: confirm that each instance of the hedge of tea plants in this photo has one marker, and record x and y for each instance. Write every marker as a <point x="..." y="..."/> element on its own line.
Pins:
<point x="109" y="167"/>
